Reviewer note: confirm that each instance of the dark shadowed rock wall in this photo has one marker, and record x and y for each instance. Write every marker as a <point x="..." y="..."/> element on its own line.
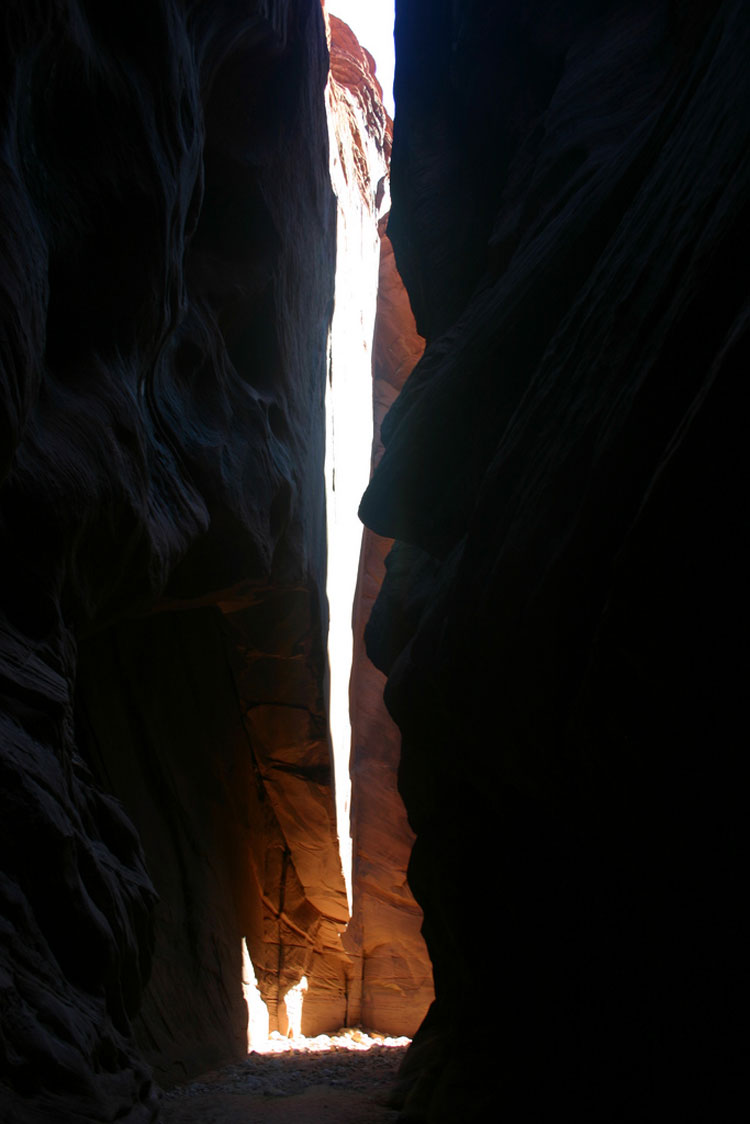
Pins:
<point x="562" y="615"/>
<point x="166" y="278"/>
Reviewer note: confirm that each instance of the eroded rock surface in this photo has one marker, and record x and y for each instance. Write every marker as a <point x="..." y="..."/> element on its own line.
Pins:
<point x="563" y="473"/>
<point x="167" y="277"/>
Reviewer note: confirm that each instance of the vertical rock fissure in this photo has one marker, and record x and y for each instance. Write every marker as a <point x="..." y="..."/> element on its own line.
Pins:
<point x="359" y="146"/>
<point x="373" y="346"/>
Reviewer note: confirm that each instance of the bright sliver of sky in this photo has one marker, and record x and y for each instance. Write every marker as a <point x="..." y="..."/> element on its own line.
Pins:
<point x="372" y="23"/>
<point x="349" y="408"/>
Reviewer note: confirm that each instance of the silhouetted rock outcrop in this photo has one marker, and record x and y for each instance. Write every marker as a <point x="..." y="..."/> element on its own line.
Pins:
<point x="564" y="472"/>
<point x="167" y="276"/>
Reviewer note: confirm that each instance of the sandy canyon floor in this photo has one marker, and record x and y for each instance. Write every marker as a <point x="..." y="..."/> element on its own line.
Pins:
<point x="344" y="1078"/>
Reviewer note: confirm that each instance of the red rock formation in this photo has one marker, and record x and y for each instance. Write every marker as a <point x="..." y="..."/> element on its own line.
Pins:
<point x="564" y="471"/>
<point x="391" y="987"/>
<point x="165" y="289"/>
<point x="390" y="984"/>
<point x="353" y="69"/>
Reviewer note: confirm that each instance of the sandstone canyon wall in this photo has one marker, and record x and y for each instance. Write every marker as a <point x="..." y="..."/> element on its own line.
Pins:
<point x="374" y="345"/>
<point x="563" y="474"/>
<point x="167" y="255"/>
<point x="392" y="985"/>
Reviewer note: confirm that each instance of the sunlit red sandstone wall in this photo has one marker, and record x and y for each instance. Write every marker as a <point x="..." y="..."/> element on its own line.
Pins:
<point x="392" y="985"/>
<point x="390" y="979"/>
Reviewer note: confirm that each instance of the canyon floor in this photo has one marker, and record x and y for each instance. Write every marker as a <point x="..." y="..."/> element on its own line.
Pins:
<point x="344" y="1078"/>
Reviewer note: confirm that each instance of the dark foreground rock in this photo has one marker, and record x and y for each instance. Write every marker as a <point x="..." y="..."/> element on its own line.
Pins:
<point x="564" y="473"/>
<point x="166" y="279"/>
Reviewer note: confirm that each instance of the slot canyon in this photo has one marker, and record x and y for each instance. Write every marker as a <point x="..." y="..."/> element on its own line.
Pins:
<point x="542" y="260"/>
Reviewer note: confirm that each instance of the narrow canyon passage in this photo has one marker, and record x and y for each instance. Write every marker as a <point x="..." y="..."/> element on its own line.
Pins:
<point x="333" y="913"/>
<point x="188" y="870"/>
<point x="548" y="303"/>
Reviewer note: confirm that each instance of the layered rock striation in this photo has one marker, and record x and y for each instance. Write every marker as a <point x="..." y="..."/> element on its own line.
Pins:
<point x="166" y="795"/>
<point x="562" y="474"/>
